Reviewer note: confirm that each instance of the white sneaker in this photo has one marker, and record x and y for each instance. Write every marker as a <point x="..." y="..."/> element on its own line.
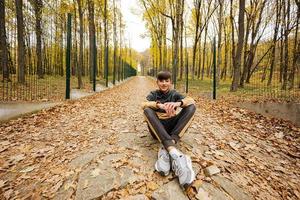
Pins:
<point x="162" y="164"/>
<point x="182" y="166"/>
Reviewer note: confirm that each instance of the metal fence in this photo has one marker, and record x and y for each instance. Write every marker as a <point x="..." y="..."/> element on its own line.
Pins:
<point x="257" y="88"/>
<point x="51" y="86"/>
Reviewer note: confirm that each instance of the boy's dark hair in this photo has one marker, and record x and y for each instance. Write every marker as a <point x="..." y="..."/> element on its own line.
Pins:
<point x="163" y="75"/>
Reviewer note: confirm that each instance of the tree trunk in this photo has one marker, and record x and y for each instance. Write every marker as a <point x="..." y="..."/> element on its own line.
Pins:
<point x="115" y="43"/>
<point x="254" y="44"/>
<point x="199" y="60"/>
<point x="224" y="71"/>
<point x="74" y="43"/>
<point x="281" y="55"/>
<point x="296" y="53"/>
<point x="21" y="43"/>
<point x="204" y="52"/>
<point x="3" y="43"/>
<point x="219" y="61"/>
<point x="232" y="39"/>
<point x="91" y="38"/>
<point x="246" y="52"/>
<point x="38" y="5"/>
<point x="61" y="49"/>
<point x="197" y="4"/>
<point x="120" y="42"/>
<point x="106" y="42"/>
<point x="286" y="15"/>
<point x="237" y="60"/>
<point x="276" y="28"/>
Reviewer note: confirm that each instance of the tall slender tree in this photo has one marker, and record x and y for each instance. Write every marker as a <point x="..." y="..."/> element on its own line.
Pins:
<point x="238" y="54"/>
<point x="92" y="35"/>
<point x="38" y="7"/>
<point x="115" y="41"/>
<point x="80" y="63"/>
<point x="21" y="43"/>
<point x="106" y="43"/>
<point x="3" y="43"/>
<point x="275" y="35"/>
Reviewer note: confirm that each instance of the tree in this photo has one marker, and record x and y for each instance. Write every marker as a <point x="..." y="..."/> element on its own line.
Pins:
<point x="286" y="24"/>
<point x="106" y="42"/>
<point x="296" y="49"/>
<point x="254" y="24"/>
<point x="205" y="40"/>
<point x="115" y="42"/>
<point x="155" y="22"/>
<point x="276" y="29"/>
<point x="38" y="5"/>
<point x="21" y="43"/>
<point x="120" y="48"/>
<point x="80" y="64"/>
<point x="3" y="43"/>
<point x="197" y="36"/>
<point x="92" y="39"/>
<point x="238" y="54"/>
<point x="220" y="20"/>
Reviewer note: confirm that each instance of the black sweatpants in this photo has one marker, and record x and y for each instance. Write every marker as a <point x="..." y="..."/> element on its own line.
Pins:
<point x="167" y="130"/>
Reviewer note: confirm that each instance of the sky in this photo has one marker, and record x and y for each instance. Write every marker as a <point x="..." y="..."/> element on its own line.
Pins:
<point x="135" y="27"/>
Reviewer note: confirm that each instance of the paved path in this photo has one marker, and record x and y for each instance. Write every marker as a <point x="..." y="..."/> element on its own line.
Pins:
<point x="99" y="148"/>
<point x="13" y="110"/>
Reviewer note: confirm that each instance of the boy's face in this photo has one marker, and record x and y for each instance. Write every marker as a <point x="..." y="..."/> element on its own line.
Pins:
<point x="164" y="85"/>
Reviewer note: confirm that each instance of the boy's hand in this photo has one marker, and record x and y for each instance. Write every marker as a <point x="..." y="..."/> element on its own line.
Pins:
<point x="169" y="107"/>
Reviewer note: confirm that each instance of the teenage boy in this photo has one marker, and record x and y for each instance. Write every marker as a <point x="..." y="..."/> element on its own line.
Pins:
<point x="167" y="124"/>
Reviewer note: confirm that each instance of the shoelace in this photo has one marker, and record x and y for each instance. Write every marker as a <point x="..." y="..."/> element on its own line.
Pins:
<point x="178" y="169"/>
<point x="164" y="156"/>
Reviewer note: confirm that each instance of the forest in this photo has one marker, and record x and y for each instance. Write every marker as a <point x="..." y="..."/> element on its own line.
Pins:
<point x="33" y="44"/>
<point x="256" y="40"/>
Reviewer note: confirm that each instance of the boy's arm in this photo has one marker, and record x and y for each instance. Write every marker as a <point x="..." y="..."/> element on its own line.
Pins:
<point x="151" y="103"/>
<point x="187" y="101"/>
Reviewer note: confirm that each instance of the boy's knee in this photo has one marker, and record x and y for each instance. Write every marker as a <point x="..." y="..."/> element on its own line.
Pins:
<point x="148" y="111"/>
<point x="191" y="108"/>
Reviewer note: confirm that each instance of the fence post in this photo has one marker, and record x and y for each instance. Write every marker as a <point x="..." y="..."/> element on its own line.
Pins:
<point x="186" y="72"/>
<point x="94" y="64"/>
<point x="215" y="70"/>
<point x="68" y="57"/>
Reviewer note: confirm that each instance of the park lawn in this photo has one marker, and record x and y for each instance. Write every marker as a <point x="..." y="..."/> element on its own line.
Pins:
<point x="49" y="88"/>
<point x="254" y="91"/>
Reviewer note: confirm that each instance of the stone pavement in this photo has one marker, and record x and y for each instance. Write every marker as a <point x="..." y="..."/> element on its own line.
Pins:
<point x="122" y="166"/>
<point x="99" y="148"/>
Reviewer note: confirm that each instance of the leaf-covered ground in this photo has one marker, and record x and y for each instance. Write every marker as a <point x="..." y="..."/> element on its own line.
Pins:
<point x="99" y="148"/>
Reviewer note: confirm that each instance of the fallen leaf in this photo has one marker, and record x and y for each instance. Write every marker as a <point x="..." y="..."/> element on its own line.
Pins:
<point x="8" y="193"/>
<point x="17" y="158"/>
<point x="202" y="195"/>
<point x="28" y="169"/>
<point x="95" y="172"/>
<point x="152" y="185"/>
<point x="86" y="184"/>
<point x="2" y="183"/>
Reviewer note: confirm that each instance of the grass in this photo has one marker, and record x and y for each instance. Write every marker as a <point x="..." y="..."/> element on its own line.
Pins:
<point x="53" y="88"/>
<point x="49" y="88"/>
<point x="255" y="90"/>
